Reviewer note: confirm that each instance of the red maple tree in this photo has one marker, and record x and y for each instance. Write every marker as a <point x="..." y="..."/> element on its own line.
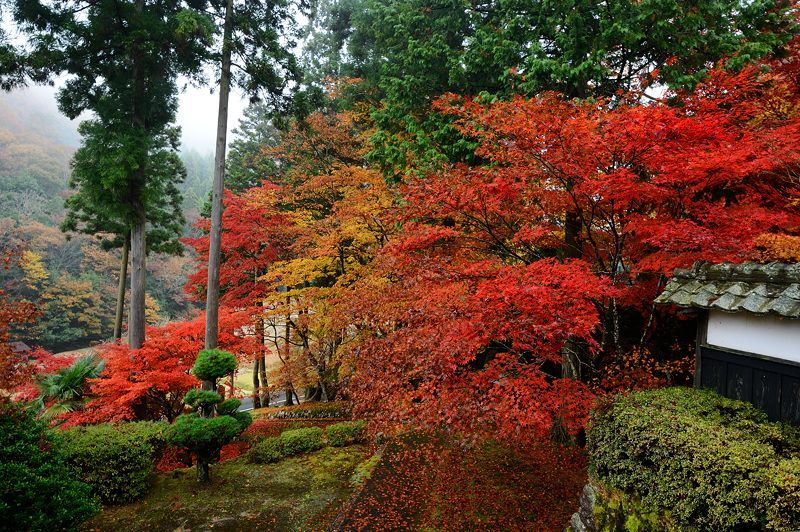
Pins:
<point x="578" y="212"/>
<point x="150" y="382"/>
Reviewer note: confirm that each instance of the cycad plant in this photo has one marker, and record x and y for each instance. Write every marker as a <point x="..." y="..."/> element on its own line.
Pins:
<point x="64" y="390"/>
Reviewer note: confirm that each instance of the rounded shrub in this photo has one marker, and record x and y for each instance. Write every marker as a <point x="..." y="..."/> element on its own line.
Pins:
<point x="346" y="433"/>
<point x="115" y="460"/>
<point x="707" y="461"/>
<point x="266" y="451"/>
<point x="203" y="434"/>
<point x="201" y="398"/>
<point x="211" y="364"/>
<point x="299" y="441"/>
<point x="37" y="490"/>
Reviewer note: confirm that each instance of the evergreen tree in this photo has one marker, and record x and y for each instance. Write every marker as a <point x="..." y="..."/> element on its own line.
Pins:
<point x="248" y="161"/>
<point x="122" y="59"/>
<point x="94" y="209"/>
<point x="409" y="52"/>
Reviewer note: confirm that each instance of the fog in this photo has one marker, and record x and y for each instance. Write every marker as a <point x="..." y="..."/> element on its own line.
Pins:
<point x="197" y="114"/>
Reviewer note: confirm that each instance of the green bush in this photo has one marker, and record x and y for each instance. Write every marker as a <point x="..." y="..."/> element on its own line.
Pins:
<point x="707" y="461"/>
<point x="205" y="436"/>
<point x="301" y="440"/>
<point x="37" y="489"/>
<point x="115" y="460"/>
<point x="196" y="398"/>
<point x="229" y="407"/>
<point x="154" y="433"/>
<point x="266" y="451"/>
<point x="211" y="364"/>
<point x="346" y="433"/>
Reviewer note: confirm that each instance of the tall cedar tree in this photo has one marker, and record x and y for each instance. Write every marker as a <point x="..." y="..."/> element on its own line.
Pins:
<point x="257" y="37"/>
<point x="93" y="211"/>
<point x="122" y="59"/>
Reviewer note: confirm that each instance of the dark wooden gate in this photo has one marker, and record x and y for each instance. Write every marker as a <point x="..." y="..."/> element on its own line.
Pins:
<point x="771" y="385"/>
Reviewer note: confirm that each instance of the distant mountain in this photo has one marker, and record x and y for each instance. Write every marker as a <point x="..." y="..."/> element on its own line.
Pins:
<point x="36" y="145"/>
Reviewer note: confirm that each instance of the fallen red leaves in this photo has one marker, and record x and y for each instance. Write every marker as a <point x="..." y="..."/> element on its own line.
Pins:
<point x="441" y="485"/>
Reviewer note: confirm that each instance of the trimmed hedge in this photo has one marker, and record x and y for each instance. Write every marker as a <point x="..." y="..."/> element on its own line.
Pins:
<point x="331" y="410"/>
<point x="266" y="451"/>
<point x="299" y="441"/>
<point x="115" y="460"/>
<point x="701" y="459"/>
<point x="346" y="433"/>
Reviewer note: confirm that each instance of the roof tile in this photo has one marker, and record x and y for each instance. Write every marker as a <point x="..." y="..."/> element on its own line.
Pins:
<point x="756" y="288"/>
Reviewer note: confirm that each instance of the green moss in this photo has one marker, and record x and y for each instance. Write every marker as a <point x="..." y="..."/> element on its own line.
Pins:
<point x="364" y="471"/>
<point x="298" y="493"/>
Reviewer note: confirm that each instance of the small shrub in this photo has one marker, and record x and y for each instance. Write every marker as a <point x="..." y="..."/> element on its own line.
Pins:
<point x="301" y="440"/>
<point x="196" y="398"/>
<point x="346" y="433"/>
<point x="331" y="410"/>
<point x="229" y="407"/>
<point x="37" y="490"/>
<point x="266" y="451"/>
<point x="206" y="436"/>
<point x="154" y="433"/>
<point x="711" y="462"/>
<point x="115" y="460"/>
<point x="202" y="433"/>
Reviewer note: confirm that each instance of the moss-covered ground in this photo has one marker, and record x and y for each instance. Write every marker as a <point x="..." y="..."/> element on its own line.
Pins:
<point x="298" y="493"/>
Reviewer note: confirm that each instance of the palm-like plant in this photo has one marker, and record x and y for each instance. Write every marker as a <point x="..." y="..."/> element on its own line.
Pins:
<point x="64" y="390"/>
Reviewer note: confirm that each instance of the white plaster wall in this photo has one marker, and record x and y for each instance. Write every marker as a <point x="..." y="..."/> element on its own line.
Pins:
<point x="765" y="335"/>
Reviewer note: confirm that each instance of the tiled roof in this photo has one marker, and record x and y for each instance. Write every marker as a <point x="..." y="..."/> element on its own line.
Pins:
<point x="772" y="288"/>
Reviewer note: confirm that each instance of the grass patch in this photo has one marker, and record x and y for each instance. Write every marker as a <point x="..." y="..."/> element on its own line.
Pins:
<point x="298" y="493"/>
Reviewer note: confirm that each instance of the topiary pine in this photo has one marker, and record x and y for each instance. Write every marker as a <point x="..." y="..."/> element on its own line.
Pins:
<point x="216" y="422"/>
<point x="212" y="364"/>
<point x="204" y="400"/>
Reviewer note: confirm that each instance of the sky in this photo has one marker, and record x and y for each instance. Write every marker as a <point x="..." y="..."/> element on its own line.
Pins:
<point x="197" y="114"/>
<point x="197" y="111"/>
<point x="197" y="117"/>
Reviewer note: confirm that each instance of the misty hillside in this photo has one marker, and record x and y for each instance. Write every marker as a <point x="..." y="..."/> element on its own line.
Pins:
<point x="36" y="145"/>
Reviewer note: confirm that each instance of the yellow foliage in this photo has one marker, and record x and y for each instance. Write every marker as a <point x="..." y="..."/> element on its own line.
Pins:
<point x="77" y="302"/>
<point x="35" y="271"/>
<point x="783" y="248"/>
<point x="152" y="310"/>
